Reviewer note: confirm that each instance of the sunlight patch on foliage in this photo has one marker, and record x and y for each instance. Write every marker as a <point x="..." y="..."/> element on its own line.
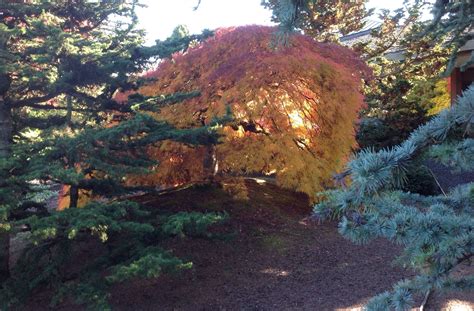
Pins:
<point x="294" y="108"/>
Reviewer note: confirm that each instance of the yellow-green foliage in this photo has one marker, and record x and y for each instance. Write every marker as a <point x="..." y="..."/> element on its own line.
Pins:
<point x="431" y="96"/>
<point x="442" y="99"/>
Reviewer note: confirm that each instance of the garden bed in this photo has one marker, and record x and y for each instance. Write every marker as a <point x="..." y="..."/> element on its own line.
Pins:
<point x="271" y="257"/>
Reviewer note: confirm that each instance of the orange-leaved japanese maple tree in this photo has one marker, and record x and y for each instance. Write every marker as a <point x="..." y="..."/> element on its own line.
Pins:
<point x="295" y="108"/>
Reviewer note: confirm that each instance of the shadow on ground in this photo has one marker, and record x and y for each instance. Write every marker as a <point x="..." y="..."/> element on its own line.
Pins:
<point x="277" y="261"/>
<point x="273" y="259"/>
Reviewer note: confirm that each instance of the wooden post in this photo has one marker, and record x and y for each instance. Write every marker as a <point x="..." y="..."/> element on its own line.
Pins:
<point x="455" y="84"/>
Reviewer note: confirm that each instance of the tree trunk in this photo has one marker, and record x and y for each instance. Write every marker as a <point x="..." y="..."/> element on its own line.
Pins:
<point x="5" y="151"/>
<point x="211" y="164"/>
<point x="73" y="196"/>
<point x="5" y="129"/>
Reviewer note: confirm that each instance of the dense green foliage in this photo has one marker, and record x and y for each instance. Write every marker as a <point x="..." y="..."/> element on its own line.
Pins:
<point x="324" y="20"/>
<point x="407" y="64"/>
<point x="123" y="237"/>
<point x="61" y="65"/>
<point x="436" y="232"/>
<point x="82" y="252"/>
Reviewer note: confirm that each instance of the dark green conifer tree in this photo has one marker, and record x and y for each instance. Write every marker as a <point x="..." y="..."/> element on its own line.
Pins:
<point x="324" y="20"/>
<point x="61" y="64"/>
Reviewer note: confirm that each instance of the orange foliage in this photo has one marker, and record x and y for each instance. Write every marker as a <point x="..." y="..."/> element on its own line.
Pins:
<point x="295" y="108"/>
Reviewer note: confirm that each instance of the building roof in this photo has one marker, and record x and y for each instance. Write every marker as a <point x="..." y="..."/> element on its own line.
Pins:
<point x="361" y="35"/>
<point x="365" y="35"/>
<point x="396" y="53"/>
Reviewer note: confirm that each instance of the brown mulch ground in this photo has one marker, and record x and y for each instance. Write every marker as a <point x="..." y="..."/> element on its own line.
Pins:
<point x="447" y="178"/>
<point x="275" y="259"/>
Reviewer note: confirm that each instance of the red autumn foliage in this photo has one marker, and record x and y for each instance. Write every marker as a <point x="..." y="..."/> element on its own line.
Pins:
<point x="295" y="108"/>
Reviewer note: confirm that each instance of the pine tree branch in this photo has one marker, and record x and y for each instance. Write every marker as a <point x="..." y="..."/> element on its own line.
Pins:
<point x="51" y="107"/>
<point x="32" y="102"/>
<point x="197" y="5"/>
<point x="437" y="182"/>
<point x="425" y="300"/>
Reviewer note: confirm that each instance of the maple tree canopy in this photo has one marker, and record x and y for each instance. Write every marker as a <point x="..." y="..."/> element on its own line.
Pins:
<point x="295" y="108"/>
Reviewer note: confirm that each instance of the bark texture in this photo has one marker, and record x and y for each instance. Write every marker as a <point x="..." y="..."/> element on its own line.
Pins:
<point x="5" y="151"/>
